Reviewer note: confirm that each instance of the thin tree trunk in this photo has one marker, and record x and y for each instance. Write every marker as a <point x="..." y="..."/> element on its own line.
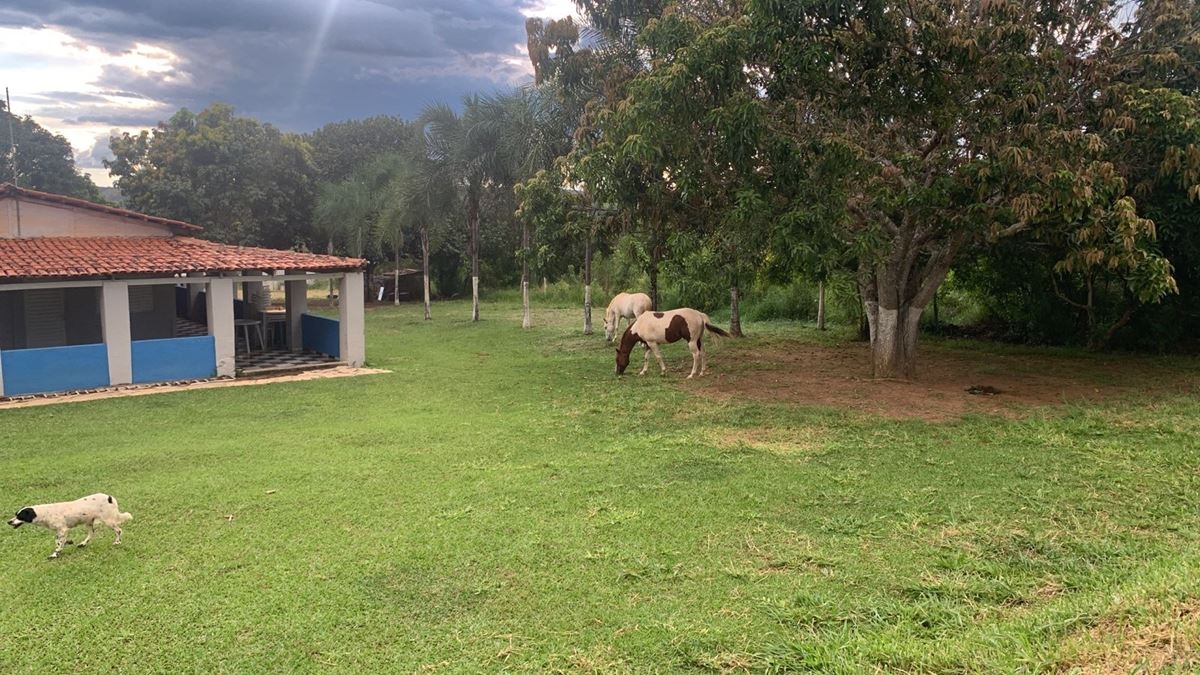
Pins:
<point x="473" y="221"/>
<point x="425" y="268"/>
<point x="329" y="250"/>
<point x="396" y="278"/>
<point x="525" y="322"/>
<point x="654" y="278"/>
<point x="735" y="312"/>
<point x="820" y="305"/>
<point x="587" y="286"/>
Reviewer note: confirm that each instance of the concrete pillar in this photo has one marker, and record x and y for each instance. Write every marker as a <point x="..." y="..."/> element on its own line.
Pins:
<point x="351" y="329"/>
<point x="219" y="305"/>
<point x="296" y="300"/>
<point x="114" y="322"/>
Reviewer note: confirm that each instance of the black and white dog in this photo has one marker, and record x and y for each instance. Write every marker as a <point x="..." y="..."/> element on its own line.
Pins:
<point x="62" y="516"/>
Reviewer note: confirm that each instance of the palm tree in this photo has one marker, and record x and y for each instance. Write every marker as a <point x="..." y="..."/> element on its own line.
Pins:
<point x="526" y="132"/>
<point x="460" y="152"/>
<point x="420" y="195"/>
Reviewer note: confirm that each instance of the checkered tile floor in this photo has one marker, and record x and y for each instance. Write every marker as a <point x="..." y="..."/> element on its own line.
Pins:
<point x="257" y="362"/>
<point x="281" y="359"/>
<point x="185" y="328"/>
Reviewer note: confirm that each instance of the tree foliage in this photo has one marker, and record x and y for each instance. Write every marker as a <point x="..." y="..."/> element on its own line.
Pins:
<point x="916" y="131"/>
<point x="44" y="160"/>
<point x="245" y="182"/>
<point x="340" y="148"/>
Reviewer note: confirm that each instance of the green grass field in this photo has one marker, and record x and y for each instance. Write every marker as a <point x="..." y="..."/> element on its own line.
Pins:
<point x="501" y="502"/>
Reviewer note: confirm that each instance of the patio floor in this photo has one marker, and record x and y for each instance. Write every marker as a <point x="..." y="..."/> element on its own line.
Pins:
<point x="258" y="362"/>
<point x="280" y="360"/>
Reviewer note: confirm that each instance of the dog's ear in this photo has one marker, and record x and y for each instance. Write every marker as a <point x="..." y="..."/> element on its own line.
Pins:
<point x="26" y="515"/>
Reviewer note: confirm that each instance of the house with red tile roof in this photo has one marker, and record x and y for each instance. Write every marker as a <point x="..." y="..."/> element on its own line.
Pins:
<point x="95" y="296"/>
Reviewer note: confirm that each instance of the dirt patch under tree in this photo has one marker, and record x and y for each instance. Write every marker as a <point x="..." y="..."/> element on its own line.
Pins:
<point x="951" y="382"/>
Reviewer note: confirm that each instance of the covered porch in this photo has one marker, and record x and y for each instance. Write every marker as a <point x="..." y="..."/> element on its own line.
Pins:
<point x="66" y="335"/>
<point x="95" y="296"/>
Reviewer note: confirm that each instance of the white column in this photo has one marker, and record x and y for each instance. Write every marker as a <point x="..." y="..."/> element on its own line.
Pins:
<point x="114" y="322"/>
<point x="219" y="305"/>
<point x="296" y="300"/>
<point x="351" y="332"/>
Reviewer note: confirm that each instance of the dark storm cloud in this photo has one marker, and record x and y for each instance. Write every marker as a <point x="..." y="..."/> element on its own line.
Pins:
<point x="269" y="59"/>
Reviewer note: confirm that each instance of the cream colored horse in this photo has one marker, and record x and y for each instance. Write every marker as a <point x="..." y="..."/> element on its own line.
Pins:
<point x="624" y="306"/>
<point x="655" y="328"/>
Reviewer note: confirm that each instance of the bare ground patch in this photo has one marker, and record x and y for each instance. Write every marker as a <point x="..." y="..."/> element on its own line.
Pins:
<point x="1117" y="645"/>
<point x="839" y="376"/>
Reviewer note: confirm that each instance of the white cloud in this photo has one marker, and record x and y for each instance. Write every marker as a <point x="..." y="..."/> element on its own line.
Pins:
<point x="44" y="67"/>
<point x="551" y="9"/>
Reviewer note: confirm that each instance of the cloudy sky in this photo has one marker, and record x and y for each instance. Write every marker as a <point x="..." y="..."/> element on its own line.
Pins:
<point x="90" y="68"/>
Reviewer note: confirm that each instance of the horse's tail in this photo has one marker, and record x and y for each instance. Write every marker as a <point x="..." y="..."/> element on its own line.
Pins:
<point x="716" y="329"/>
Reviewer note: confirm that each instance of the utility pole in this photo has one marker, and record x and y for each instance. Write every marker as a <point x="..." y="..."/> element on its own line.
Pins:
<point x="12" y="144"/>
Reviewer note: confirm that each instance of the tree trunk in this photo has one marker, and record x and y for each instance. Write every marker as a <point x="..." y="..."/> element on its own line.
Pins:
<point x="329" y="250"/>
<point x="654" y="278"/>
<point x="820" y="305"/>
<point x="525" y="322"/>
<point x="895" y="292"/>
<point x="473" y="224"/>
<point x="396" y="278"/>
<point x="735" y="312"/>
<point x="587" y="286"/>
<point x="893" y="341"/>
<point x="425" y="268"/>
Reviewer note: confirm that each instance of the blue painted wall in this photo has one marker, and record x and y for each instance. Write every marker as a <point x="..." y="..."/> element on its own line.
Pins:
<point x="321" y="335"/>
<point x="49" y="369"/>
<point x="185" y="358"/>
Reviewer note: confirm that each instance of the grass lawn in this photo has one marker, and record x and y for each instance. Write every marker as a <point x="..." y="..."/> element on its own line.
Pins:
<point x="501" y="502"/>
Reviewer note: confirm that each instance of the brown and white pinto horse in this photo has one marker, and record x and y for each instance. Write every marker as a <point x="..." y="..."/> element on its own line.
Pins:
<point x="624" y="306"/>
<point x="655" y="328"/>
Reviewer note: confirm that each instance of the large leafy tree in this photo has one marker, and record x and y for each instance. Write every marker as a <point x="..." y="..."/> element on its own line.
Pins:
<point x="340" y="148"/>
<point x="44" y="160"/>
<point x="917" y="130"/>
<point x="244" y="181"/>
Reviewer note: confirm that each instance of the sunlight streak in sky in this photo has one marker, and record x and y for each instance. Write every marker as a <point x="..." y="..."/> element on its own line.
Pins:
<point x="314" y="54"/>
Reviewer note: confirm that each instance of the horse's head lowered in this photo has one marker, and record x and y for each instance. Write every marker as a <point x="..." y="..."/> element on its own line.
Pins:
<point x="628" y="340"/>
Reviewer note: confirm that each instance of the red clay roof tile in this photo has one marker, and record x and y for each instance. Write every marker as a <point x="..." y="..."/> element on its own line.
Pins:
<point x="98" y="257"/>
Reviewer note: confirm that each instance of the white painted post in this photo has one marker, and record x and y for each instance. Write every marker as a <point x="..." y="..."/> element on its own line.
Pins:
<point x="219" y="303"/>
<point x="114" y="322"/>
<point x="1" y="374"/>
<point x="296" y="299"/>
<point x="351" y="331"/>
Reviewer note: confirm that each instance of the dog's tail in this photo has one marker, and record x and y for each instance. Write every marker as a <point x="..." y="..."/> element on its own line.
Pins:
<point x="125" y="516"/>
